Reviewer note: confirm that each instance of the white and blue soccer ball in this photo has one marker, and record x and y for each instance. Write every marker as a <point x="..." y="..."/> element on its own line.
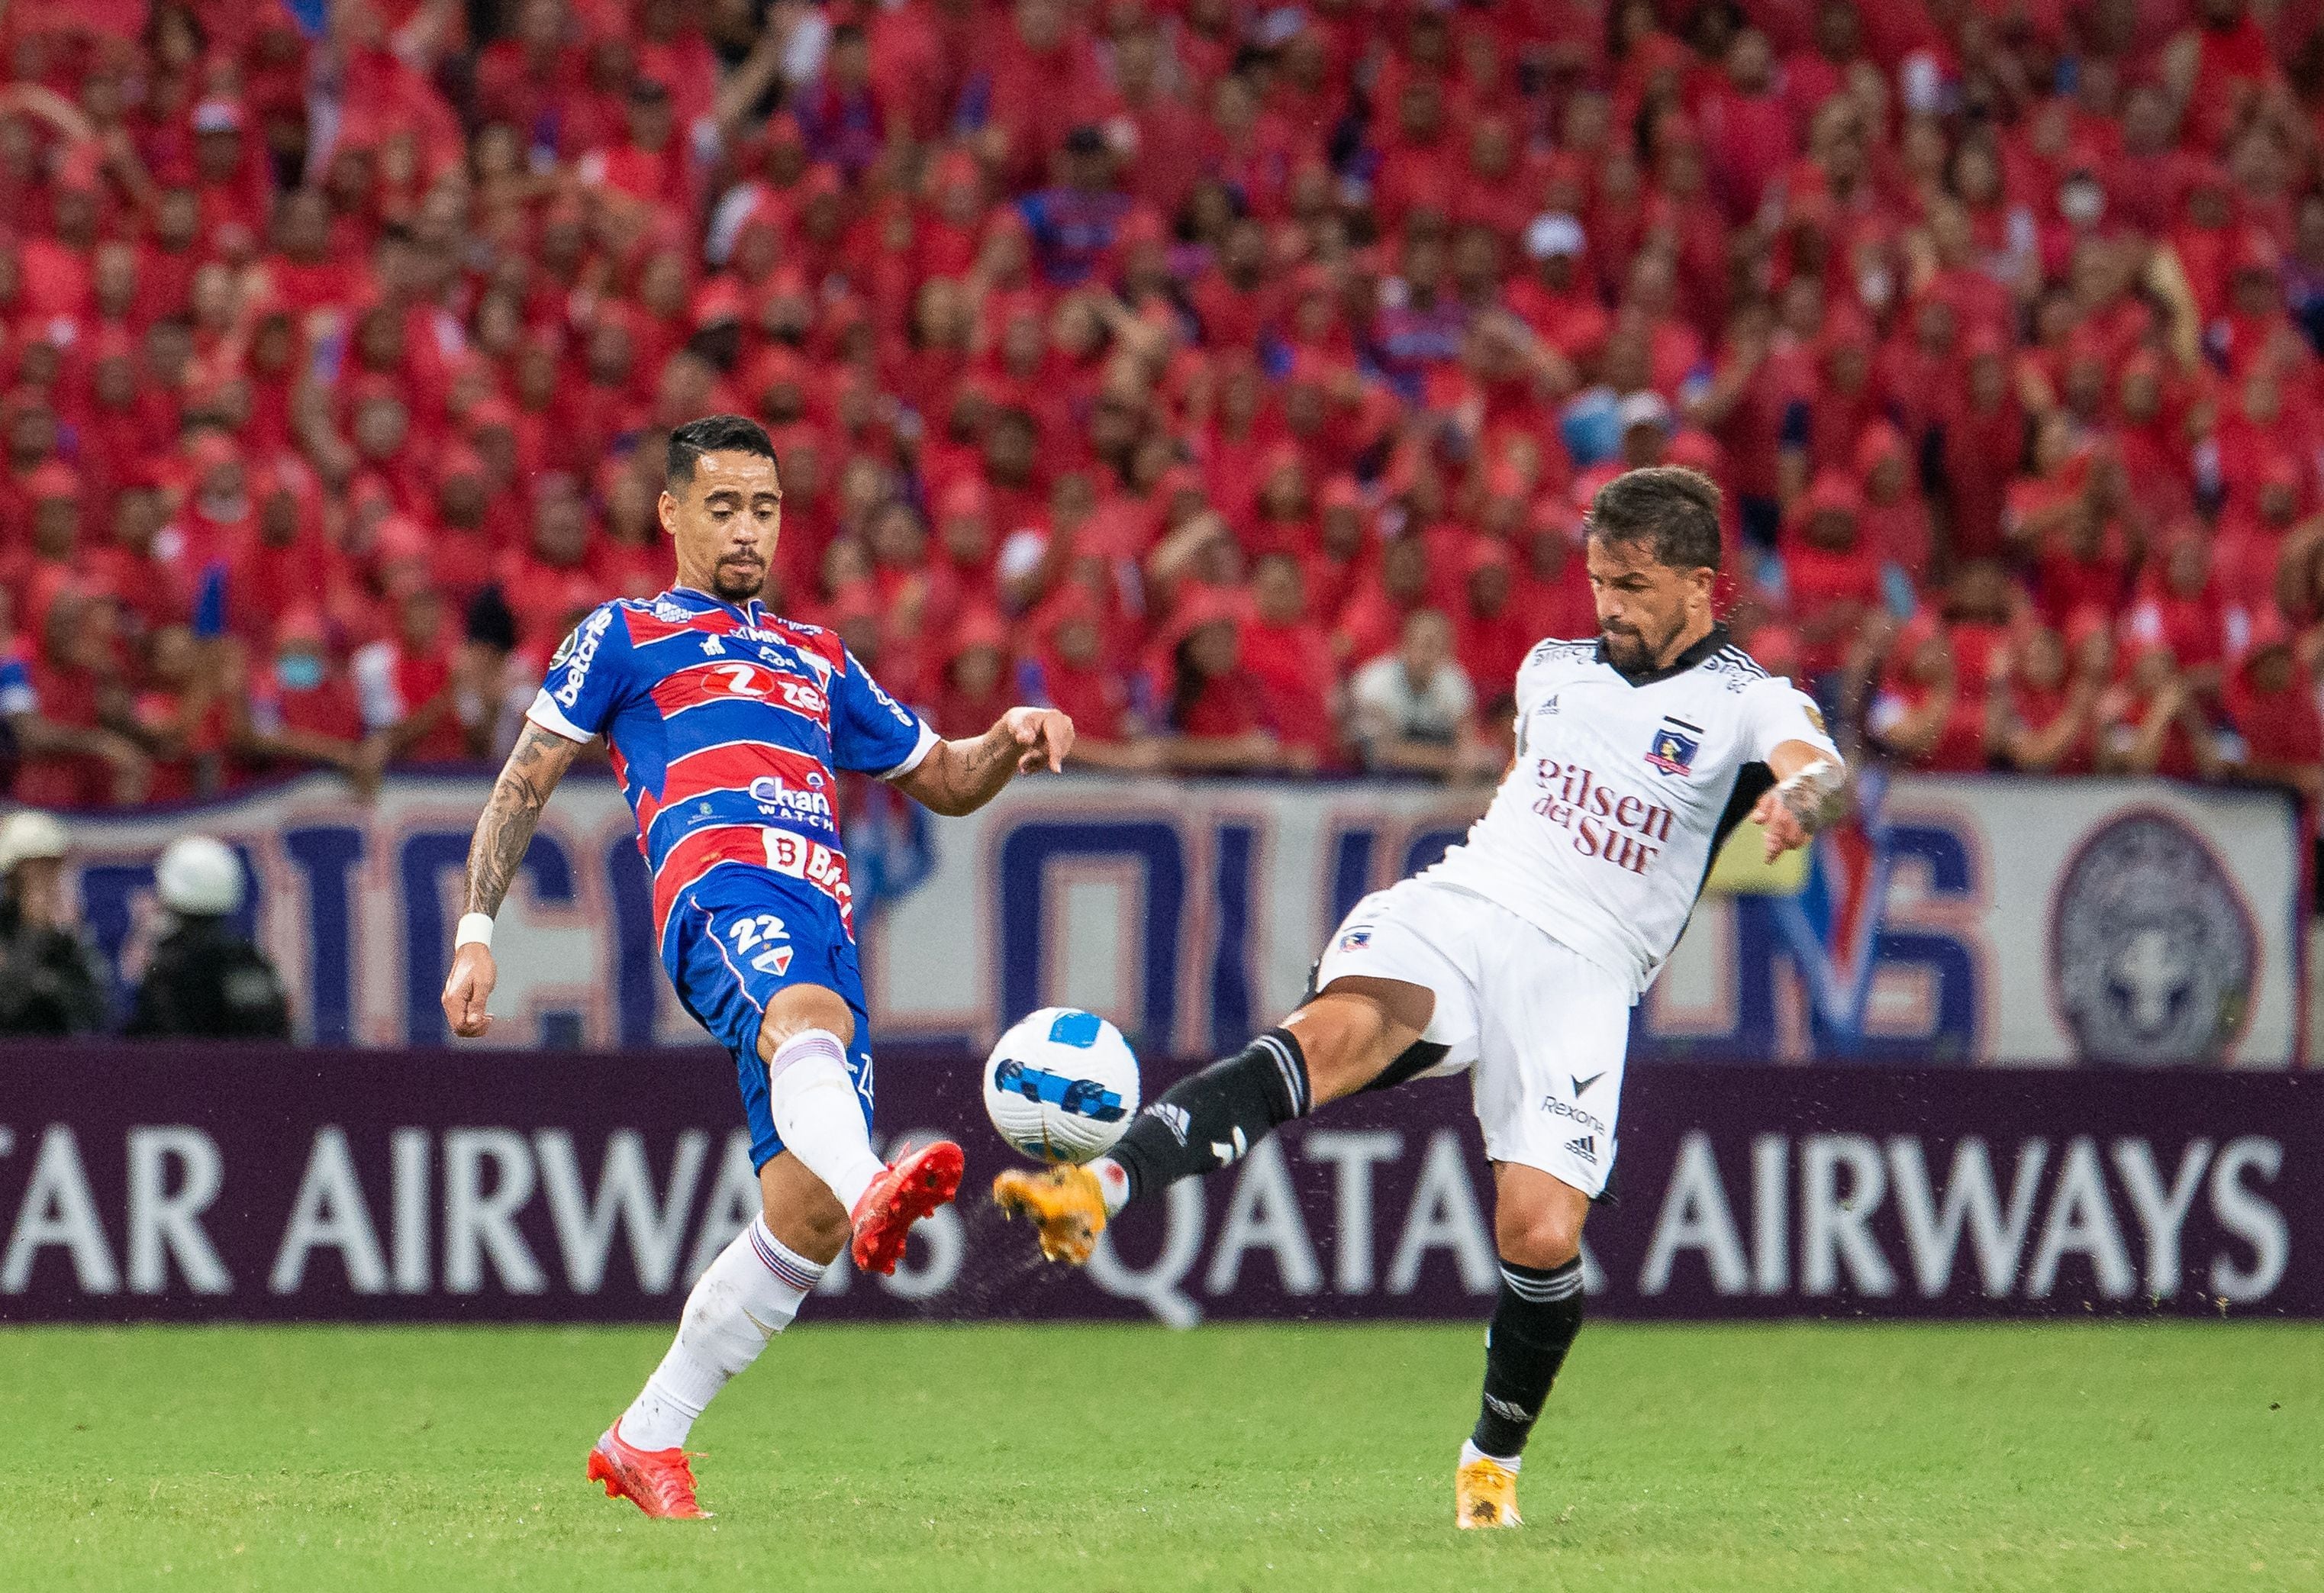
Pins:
<point x="1061" y="1085"/>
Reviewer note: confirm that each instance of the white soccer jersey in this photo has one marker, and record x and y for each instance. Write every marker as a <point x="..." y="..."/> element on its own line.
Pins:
<point x="1623" y="788"/>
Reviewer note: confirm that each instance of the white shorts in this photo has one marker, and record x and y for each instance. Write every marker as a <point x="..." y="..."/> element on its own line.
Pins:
<point x="1540" y="1029"/>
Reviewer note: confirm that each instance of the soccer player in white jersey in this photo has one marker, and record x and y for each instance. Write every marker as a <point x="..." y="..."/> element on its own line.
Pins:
<point x="1519" y="957"/>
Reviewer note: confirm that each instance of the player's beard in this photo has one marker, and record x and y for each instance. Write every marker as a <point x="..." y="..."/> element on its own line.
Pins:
<point x="1627" y="649"/>
<point x="738" y="580"/>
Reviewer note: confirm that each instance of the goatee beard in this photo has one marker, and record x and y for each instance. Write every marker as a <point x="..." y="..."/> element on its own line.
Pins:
<point x="1627" y="652"/>
<point x="738" y="582"/>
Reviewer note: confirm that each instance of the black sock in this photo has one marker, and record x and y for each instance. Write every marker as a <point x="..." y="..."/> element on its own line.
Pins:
<point x="1533" y="1324"/>
<point x="1216" y="1117"/>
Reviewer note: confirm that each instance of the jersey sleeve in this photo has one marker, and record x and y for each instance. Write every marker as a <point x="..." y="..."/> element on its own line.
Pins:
<point x="871" y="732"/>
<point x="1775" y="711"/>
<point x="583" y="687"/>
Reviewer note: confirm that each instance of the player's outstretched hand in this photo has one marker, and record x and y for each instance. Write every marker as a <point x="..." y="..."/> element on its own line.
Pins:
<point x="1782" y="825"/>
<point x="468" y="988"/>
<point x="1044" y="736"/>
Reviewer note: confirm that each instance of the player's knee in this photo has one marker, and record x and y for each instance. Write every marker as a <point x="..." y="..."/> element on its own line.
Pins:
<point x="796" y="1010"/>
<point x="1349" y="1033"/>
<point x="1538" y="1232"/>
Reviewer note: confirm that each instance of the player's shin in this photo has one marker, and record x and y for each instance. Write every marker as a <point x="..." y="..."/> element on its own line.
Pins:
<point x="748" y="1295"/>
<point x="812" y="1098"/>
<point x="1209" y="1121"/>
<point x="1534" y="1323"/>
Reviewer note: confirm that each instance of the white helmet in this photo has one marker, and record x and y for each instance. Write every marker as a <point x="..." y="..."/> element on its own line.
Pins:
<point x="28" y="833"/>
<point x="198" y="876"/>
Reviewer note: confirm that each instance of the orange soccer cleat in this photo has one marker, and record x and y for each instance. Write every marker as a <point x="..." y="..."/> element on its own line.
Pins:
<point x="1065" y="1203"/>
<point x="657" y="1481"/>
<point x="914" y="1185"/>
<point x="1485" y="1495"/>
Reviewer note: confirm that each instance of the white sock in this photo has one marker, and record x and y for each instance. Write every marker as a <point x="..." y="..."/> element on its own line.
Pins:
<point x="1112" y="1182"/>
<point x="814" y="1104"/>
<point x="1470" y="1452"/>
<point x="747" y="1296"/>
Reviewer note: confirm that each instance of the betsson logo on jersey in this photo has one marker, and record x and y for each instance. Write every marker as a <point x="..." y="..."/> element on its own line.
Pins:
<point x="582" y="647"/>
<point x="1621" y="829"/>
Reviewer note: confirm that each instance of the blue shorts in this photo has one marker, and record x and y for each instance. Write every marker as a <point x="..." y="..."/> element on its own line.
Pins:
<point x="734" y="938"/>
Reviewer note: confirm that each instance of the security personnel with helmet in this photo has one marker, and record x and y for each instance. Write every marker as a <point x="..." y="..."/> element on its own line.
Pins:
<point x="204" y="979"/>
<point x="51" y="980"/>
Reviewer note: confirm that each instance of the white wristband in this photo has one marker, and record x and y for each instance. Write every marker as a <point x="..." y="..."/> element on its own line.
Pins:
<point x="475" y="930"/>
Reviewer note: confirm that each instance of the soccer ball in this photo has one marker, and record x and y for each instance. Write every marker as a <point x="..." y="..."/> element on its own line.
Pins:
<point x="1061" y="1085"/>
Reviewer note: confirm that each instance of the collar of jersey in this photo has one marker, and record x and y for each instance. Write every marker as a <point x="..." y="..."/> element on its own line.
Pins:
<point x="750" y="614"/>
<point x="1709" y="644"/>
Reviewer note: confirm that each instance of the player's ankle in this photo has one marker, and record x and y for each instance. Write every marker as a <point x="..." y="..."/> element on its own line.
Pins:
<point x="1113" y="1184"/>
<point x="653" y="1422"/>
<point x="1471" y="1454"/>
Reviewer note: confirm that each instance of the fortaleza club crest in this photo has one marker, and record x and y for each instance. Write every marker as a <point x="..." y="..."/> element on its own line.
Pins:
<point x="1674" y="748"/>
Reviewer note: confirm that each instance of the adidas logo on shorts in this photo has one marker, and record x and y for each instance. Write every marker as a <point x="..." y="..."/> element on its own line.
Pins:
<point x="1586" y="1147"/>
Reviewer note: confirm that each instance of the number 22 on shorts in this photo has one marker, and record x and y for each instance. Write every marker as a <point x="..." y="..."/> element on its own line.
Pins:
<point x="759" y="930"/>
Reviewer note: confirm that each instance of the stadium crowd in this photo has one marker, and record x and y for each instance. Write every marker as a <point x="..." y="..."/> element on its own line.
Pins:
<point x="1233" y="377"/>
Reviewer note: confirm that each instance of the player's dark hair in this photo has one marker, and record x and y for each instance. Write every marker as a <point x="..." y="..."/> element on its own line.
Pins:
<point x="1673" y="509"/>
<point x="713" y="434"/>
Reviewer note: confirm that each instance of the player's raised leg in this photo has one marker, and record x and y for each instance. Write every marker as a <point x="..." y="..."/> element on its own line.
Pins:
<point x="1344" y="1039"/>
<point x="820" y="1113"/>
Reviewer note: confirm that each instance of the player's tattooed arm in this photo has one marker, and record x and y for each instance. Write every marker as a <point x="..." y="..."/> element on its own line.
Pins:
<point x="537" y="762"/>
<point x="961" y="777"/>
<point x="534" y="766"/>
<point x="1814" y="795"/>
<point x="1811" y="791"/>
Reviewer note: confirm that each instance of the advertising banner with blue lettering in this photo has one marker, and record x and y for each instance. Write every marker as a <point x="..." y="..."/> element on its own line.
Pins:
<point x="1950" y="919"/>
<point x="184" y="1182"/>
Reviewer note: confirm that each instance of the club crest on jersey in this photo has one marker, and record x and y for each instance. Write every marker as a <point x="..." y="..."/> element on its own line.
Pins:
<point x="1356" y="939"/>
<point x="1674" y="748"/>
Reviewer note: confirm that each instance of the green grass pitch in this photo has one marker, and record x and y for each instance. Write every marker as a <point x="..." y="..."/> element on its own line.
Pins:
<point x="950" y="1459"/>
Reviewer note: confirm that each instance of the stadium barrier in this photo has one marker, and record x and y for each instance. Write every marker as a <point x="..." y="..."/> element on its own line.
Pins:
<point x="188" y="1183"/>
<point x="1952" y="919"/>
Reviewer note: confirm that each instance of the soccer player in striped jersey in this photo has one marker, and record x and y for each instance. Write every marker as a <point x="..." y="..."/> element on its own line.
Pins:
<point x="726" y="726"/>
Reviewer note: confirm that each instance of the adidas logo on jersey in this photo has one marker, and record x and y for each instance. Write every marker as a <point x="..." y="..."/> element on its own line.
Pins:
<point x="1586" y="1147"/>
<point x="1173" y="1118"/>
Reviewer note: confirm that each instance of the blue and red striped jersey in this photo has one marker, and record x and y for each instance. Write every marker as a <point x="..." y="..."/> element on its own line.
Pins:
<point x="726" y="724"/>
